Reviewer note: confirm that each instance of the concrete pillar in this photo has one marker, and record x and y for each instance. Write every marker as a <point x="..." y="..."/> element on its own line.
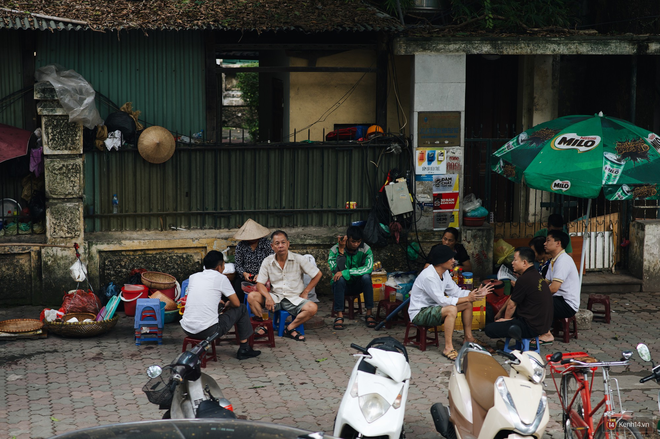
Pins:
<point x="644" y="253"/>
<point x="539" y="88"/>
<point x="63" y="169"/>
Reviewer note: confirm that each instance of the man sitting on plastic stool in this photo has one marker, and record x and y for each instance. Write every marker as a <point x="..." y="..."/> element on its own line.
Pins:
<point x="205" y="290"/>
<point x="530" y="303"/>
<point x="285" y="271"/>
<point x="351" y="263"/>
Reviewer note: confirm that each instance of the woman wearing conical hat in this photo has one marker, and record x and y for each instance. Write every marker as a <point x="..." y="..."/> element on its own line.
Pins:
<point x="252" y="249"/>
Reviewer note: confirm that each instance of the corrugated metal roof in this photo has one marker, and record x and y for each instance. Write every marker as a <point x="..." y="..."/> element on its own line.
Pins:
<point x="244" y="15"/>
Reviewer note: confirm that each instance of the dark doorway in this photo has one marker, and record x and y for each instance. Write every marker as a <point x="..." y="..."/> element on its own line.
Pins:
<point x="278" y="110"/>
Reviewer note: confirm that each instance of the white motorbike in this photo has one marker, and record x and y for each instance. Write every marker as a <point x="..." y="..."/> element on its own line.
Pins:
<point x="645" y="354"/>
<point x="184" y="391"/>
<point x="486" y="402"/>
<point x="375" y="400"/>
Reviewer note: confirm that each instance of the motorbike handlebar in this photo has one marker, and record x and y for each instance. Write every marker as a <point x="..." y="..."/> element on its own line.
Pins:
<point x="648" y="378"/>
<point x="358" y="348"/>
<point x="507" y="355"/>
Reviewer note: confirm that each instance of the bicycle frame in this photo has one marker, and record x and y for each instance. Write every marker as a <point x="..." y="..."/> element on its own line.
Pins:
<point x="580" y="423"/>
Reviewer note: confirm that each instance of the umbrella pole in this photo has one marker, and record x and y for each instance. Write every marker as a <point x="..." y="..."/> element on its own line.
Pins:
<point x="584" y="242"/>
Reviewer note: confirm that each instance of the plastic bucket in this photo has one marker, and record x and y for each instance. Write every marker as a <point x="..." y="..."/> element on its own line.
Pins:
<point x="129" y="294"/>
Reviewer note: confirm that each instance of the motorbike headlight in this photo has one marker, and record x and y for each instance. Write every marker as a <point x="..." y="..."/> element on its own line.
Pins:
<point x="373" y="406"/>
<point x="538" y="371"/>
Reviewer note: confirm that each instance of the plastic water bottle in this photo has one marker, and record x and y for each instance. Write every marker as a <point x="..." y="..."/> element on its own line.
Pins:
<point x="115" y="204"/>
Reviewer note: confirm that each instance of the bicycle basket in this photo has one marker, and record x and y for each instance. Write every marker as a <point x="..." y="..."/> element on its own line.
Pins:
<point x="158" y="390"/>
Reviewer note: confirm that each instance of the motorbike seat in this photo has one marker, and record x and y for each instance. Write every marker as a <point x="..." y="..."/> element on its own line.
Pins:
<point x="481" y="371"/>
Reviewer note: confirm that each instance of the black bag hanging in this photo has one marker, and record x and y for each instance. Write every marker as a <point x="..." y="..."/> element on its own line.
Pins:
<point x="374" y="235"/>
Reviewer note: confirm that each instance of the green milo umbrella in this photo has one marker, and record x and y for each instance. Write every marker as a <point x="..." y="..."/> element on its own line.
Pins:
<point x="580" y="155"/>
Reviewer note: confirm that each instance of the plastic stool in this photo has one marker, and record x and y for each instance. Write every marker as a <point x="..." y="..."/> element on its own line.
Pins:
<point x="269" y="339"/>
<point x="421" y="338"/>
<point x="603" y="300"/>
<point x="147" y="312"/>
<point x="279" y="322"/>
<point x="184" y="285"/>
<point x="202" y="356"/>
<point x="389" y="307"/>
<point x="561" y="327"/>
<point x="350" y="305"/>
<point x="524" y="346"/>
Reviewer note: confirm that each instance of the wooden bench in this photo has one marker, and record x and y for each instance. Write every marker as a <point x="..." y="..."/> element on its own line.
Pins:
<point x="576" y="242"/>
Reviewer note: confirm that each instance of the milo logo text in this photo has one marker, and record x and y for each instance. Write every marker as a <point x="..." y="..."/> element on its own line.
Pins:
<point x="559" y="185"/>
<point x="573" y="141"/>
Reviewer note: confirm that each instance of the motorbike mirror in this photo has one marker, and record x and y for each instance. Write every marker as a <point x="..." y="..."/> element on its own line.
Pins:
<point x="556" y="357"/>
<point x="515" y="332"/>
<point x="644" y="352"/>
<point x="626" y="355"/>
<point x="154" y="371"/>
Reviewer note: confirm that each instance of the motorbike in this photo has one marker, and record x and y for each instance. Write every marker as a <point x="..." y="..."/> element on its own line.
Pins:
<point x="645" y="354"/>
<point x="375" y="400"/>
<point x="184" y="391"/>
<point x="487" y="402"/>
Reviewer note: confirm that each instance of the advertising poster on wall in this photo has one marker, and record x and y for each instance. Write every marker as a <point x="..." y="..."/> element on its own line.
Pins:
<point x="430" y="161"/>
<point x="446" y="201"/>
<point x="445" y="183"/>
<point x="445" y="218"/>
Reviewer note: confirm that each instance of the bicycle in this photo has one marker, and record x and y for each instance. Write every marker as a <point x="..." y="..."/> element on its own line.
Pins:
<point x="578" y="415"/>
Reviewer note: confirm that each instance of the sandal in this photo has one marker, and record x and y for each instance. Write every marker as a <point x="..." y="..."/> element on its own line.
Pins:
<point x="260" y="331"/>
<point x="370" y="321"/>
<point x="451" y="355"/>
<point x="290" y="334"/>
<point x="339" y="324"/>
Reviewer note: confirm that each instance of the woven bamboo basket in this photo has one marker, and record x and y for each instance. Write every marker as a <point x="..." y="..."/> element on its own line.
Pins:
<point x="158" y="281"/>
<point x="15" y="326"/>
<point x="80" y="329"/>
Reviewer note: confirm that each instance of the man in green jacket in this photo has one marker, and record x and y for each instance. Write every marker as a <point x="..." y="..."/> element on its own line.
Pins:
<point x="351" y="263"/>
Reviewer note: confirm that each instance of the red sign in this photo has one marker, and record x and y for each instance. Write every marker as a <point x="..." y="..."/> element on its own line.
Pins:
<point x="445" y="201"/>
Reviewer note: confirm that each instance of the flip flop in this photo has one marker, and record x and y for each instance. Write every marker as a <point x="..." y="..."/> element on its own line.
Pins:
<point x="339" y="324"/>
<point x="289" y="334"/>
<point x="259" y="329"/>
<point x="451" y="355"/>
<point x="545" y="343"/>
<point x="370" y="323"/>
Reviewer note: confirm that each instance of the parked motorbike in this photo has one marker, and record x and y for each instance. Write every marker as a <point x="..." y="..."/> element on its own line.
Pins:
<point x="184" y="391"/>
<point x="645" y="354"/>
<point x="487" y="402"/>
<point x="375" y="400"/>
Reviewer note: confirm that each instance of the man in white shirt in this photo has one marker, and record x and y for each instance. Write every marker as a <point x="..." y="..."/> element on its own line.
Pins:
<point x="285" y="271"/>
<point x="563" y="278"/>
<point x="205" y="290"/>
<point x="435" y="298"/>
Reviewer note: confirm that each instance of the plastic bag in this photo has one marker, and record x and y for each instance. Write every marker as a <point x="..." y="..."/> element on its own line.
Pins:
<point x="74" y="93"/>
<point x="503" y="252"/>
<point x="80" y="301"/>
<point x="470" y="202"/>
<point x="78" y="271"/>
<point x="479" y="212"/>
<point x="123" y="122"/>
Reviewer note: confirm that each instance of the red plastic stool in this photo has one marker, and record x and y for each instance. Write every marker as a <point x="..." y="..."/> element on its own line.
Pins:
<point x="269" y="340"/>
<point x="389" y="307"/>
<point x="561" y="327"/>
<point x="603" y="300"/>
<point x="351" y="306"/>
<point x="194" y="342"/>
<point x="420" y="338"/>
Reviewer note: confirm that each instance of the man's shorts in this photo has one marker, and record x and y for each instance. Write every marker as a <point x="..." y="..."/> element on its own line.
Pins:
<point x="429" y="316"/>
<point x="289" y="307"/>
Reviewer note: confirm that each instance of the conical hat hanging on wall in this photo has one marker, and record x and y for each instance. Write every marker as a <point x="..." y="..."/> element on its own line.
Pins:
<point x="156" y="145"/>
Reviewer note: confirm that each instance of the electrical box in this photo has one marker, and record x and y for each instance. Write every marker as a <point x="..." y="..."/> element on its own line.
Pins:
<point x="398" y="197"/>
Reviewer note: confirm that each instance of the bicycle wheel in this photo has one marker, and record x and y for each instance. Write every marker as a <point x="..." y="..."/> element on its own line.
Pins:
<point x="568" y="388"/>
<point x="622" y="431"/>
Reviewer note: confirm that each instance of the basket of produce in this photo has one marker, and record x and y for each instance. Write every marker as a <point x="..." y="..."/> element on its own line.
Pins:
<point x="158" y="281"/>
<point x="74" y="325"/>
<point x="16" y="326"/>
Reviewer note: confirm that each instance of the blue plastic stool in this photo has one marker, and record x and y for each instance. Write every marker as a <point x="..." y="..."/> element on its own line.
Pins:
<point x="184" y="285"/>
<point x="279" y="322"/>
<point x="149" y="321"/>
<point x="524" y="346"/>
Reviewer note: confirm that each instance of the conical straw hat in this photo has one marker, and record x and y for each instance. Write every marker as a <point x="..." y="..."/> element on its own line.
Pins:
<point x="156" y="145"/>
<point x="251" y="230"/>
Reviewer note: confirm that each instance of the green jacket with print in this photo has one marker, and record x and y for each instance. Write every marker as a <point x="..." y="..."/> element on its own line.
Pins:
<point x="353" y="265"/>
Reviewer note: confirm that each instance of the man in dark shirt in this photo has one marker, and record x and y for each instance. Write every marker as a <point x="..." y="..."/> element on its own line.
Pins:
<point x="530" y="305"/>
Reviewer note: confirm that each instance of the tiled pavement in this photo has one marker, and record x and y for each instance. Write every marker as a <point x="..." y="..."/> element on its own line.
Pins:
<point x="54" y="385"/>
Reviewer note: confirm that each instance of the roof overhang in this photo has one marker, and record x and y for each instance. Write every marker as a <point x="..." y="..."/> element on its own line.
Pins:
<point x="627" y="45"/>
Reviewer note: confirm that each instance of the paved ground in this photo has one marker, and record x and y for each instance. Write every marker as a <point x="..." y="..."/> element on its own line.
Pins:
<point x="55" y="385"/>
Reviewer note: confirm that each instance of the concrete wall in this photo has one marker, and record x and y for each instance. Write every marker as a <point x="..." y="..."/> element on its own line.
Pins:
<point x="644" y="253"/>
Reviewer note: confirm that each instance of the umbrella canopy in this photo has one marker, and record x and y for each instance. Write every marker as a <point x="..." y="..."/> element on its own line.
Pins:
<point x="580" y="155"/>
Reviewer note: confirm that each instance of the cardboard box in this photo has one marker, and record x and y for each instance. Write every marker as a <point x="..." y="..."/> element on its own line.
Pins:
<point x="478" y="317"/>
